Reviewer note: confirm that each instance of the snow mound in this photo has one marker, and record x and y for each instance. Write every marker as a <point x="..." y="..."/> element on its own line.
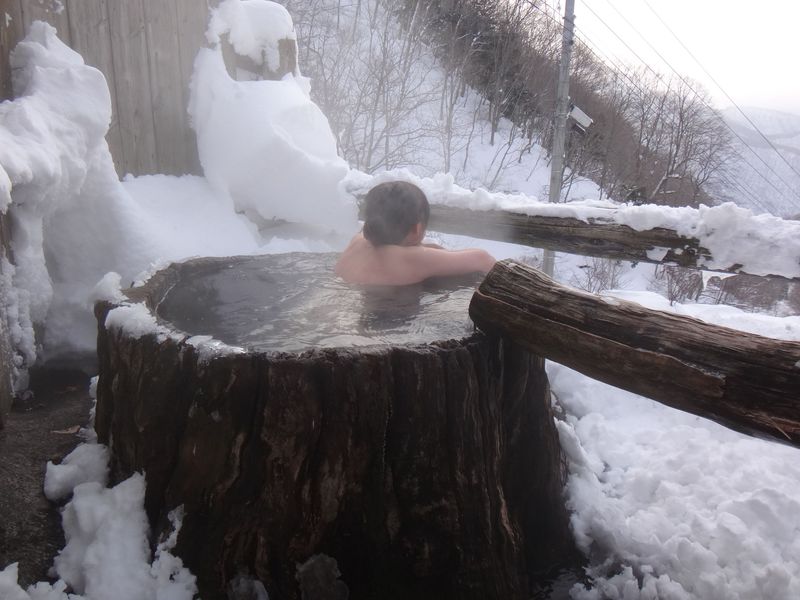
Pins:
<point x="71" y="221"/>
<point x="265" y="145"/>
<point x="677" y="506"/>
<point x="86" y="463"/>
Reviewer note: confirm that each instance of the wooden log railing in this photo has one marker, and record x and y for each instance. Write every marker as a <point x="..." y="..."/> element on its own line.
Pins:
<point x="566" y="234"/>
<point x="744" y="381"/>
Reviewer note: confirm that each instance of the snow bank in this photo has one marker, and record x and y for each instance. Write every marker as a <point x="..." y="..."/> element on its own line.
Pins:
<point x="782" y="328"/>
<point x="674" y="505"/>
<point x="264" y="145"/>
<point x="763" y="244"/>
<point x="71" y="221"/>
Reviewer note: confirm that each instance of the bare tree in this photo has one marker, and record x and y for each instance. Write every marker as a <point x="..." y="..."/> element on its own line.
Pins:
<point x="391" y="104"/>
<point x="678" y="284"/>
<point x="372" y="87"/>
<point x="598" y="274"/>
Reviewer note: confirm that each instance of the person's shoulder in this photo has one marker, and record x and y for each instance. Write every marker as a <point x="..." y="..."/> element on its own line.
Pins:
<point x="406" y="255"/>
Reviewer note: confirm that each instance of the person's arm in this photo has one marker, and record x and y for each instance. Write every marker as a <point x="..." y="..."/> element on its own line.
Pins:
<point x="433" y="262"/>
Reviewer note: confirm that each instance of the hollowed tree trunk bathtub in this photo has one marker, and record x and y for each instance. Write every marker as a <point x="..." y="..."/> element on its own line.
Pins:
<point x="372" y="426"/>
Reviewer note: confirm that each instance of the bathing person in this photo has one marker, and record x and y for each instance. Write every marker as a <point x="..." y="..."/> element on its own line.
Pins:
<point x="389" y="249"/>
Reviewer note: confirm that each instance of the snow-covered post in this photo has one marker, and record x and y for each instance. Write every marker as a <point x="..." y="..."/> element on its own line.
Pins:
<point x="257" y="38"/>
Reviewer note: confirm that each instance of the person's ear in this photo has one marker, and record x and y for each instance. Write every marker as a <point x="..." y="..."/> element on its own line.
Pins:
<point x="419" y="233"/>
<point x="415" y="235"/>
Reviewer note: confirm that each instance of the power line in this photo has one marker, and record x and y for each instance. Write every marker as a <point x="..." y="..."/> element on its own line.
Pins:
<point x="692" y="88"/>
<point x="695" y="92"/>
<point x="748" y="193"/>
<point x="622" y="70"/>
<point x="731" y="100"/>
<point x="616" y="65"/>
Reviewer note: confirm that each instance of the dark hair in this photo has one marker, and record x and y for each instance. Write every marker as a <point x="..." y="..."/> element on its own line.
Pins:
<point x="390" y="211"/>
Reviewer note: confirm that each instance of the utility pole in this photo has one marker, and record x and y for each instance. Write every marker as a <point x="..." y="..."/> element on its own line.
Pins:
<point x="560" y="120"/>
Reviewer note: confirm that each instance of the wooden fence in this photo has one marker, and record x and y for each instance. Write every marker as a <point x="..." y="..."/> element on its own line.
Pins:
<point x="146" y="49"/>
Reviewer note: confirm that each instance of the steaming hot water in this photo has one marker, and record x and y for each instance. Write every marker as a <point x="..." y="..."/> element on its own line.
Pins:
<point x="293" y="302"/>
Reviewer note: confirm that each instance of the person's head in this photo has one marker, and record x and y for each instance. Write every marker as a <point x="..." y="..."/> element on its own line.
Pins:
<point x="395" y="213"/>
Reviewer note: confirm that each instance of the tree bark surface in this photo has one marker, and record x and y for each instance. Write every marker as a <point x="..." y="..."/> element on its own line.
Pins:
<point x="745" y="381"/>
<point x="426" y="471"/>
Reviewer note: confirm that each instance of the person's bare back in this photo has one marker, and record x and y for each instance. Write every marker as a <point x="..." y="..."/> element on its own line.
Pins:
<point x="390" y="251"/>
<point x="364" y="263"/>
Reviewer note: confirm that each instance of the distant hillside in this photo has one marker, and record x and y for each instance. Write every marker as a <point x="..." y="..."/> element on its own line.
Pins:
<point x="754" y="184"/>
<point x="466" y="87"/>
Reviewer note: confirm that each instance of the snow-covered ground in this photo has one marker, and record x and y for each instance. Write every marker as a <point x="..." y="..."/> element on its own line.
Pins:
<point x="665" y="504"/>
<point x="670" y="505"/>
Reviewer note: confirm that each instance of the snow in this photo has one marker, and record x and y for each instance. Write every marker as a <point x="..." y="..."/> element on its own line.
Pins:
<point x="137" y="321"/>
<point x="781" y="328"/>
<point x="677" y="506"/>
<point x="253" y="27"/>
<point x="86" y="463"/>
<point x="711" y="511"/>
<point x="209" y="348"/>
<point x="666" y="505"/>
<point x="70" y="221"/>
<point x="20" y="328"/>
<point x="657" y="254"/>
<point x="108" y="289"/>
<point x="264" y="145"/>
<point x="107" y="552"/>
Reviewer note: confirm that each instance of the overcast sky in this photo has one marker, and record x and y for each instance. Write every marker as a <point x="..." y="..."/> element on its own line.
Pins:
<point x="751" y="48"/>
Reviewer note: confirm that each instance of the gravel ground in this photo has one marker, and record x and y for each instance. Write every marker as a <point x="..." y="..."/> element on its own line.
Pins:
<point x="42" y="426"/>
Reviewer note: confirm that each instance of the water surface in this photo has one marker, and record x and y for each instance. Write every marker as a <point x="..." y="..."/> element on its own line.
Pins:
<point x="292" y="302"/>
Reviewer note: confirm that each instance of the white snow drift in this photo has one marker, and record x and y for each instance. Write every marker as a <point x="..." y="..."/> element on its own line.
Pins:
<point x="666" y="504"/>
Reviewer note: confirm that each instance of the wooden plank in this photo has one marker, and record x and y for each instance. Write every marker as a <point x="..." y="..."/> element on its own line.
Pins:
<point x="192" y="18"/>
<point x="166" y="87"/>
<point x="745" y="381"/>
<point x="132" y="77"/>
<point x="11" y="32"/>
<point x="51" y="11"/>
<point x="91" y="37"/>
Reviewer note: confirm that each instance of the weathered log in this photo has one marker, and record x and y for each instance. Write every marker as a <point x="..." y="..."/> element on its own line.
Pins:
<point x="745" y="381"/>
<point x="426" y="470"/>
<point x="566" y="234"/>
